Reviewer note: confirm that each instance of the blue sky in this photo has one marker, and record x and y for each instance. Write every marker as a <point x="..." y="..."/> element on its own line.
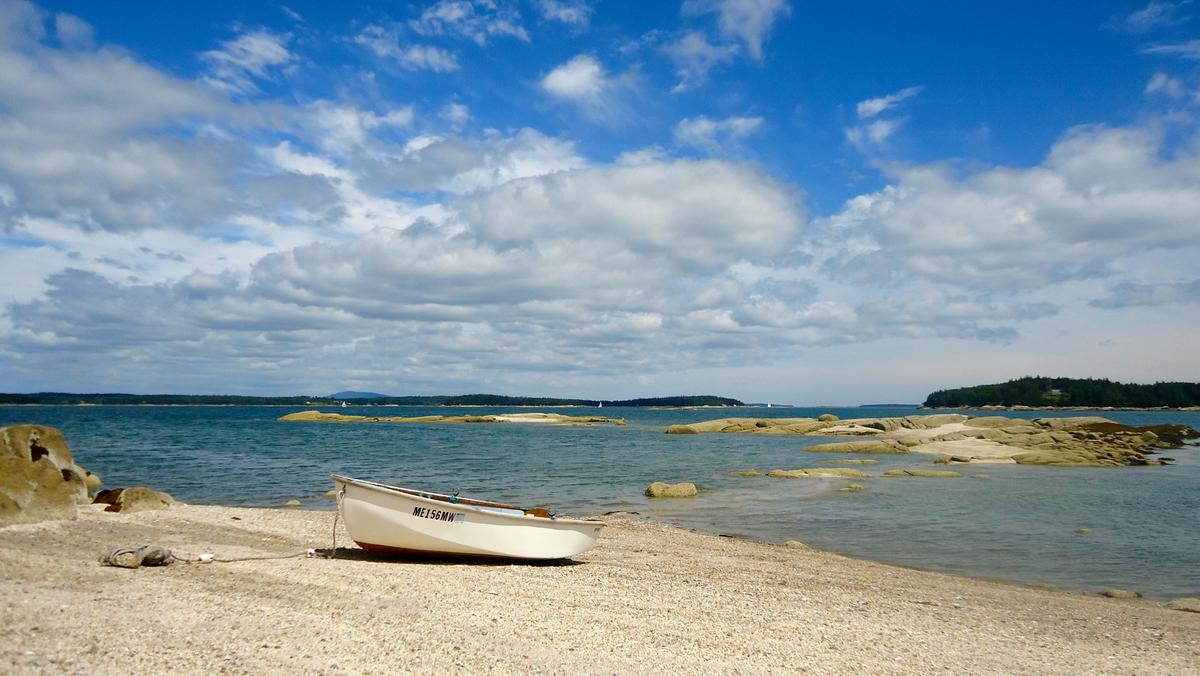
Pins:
<point x="757" y="198"/>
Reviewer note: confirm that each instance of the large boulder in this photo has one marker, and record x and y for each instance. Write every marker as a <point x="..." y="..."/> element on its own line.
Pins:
<point x="39" y="479"/>
<point x="827" y="417"/>
<point x="658" y="489"/>
<point x="135" y="499"/>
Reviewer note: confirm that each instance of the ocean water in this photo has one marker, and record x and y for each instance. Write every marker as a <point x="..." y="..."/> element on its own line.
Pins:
<point x="1018" y="524"/>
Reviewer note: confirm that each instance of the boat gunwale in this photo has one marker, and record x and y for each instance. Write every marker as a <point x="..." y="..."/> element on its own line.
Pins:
<point x="402" y="492"/>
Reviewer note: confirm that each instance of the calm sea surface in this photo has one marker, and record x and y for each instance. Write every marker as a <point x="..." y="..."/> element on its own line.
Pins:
<point x="1018" y="524"/>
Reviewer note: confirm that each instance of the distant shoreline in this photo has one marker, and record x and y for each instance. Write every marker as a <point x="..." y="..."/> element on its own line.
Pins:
<point x="1019" y="407"/>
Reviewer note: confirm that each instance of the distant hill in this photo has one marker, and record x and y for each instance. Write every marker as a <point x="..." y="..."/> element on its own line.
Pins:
<point x="352" y="394"/>
<point x="367" y="398"/>
<point x="1039" y="391"/>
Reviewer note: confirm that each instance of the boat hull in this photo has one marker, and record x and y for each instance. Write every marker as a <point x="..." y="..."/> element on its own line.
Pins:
<point x="388" y="519"/>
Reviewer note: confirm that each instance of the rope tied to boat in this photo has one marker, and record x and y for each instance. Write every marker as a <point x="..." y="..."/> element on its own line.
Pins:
<point x="154" y="555"/>
<point x="341" y="493"/>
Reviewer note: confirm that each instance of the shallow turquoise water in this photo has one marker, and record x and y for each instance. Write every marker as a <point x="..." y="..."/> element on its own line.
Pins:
<point x="1019" y="524"/>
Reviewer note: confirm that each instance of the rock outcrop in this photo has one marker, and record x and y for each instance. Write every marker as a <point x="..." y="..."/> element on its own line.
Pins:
<point x="658" y="489"/>
<point x="1066" y="442"/>
<point x="928" y="473"/>
<point x="39" y="479"/>
<point x="544" y="418"/>
<point x="818" y="472"/>
<point x="878" y="446"/>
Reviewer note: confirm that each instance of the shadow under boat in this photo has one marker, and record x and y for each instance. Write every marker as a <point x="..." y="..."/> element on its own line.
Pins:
<point x="439" y="558"/>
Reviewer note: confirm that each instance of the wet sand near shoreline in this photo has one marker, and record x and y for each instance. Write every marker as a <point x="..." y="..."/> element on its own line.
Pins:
<point x="649" y="598"/>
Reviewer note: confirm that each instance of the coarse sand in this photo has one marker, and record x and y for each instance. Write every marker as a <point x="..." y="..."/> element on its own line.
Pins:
<point x="650" y="598"/>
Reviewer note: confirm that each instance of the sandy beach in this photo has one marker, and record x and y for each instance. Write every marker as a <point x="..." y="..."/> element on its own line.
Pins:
<point x="648" y="598"/>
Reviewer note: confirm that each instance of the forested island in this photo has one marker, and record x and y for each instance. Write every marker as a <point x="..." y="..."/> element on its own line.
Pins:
<point x="121" y="399"/>
<point x="1036" y="391"/>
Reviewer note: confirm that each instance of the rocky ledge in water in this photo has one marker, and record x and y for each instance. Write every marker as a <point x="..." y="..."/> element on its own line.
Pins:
<point x="543" y="418"/>
<point x="1087" y="441"/>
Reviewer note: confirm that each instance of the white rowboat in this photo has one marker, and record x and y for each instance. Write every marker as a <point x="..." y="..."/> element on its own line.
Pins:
<point x="384" y="518"/>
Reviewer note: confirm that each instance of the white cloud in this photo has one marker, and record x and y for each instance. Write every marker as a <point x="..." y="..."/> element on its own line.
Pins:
<point x="647" y="155"/>
<point x="748" y="20"/>
<point x="73" y="32"/>
<point x="694" y="57"/>
<point x="479" y="21"/>
<point x="386" y="43"/>
<point x="343" y="128"/>
<point x="709" y="134"/>
<point x="1157" y="14"/>
<point x="872" y="135"/>
<point x="1189" y="50"/>
<point x="455" y="113"/>
<point x="580" y="79"/>
<point x="1099" y="193"/>
<point x="95" y="138"/>
<point x="248" y="57"/>
<point x="873" y="107"/>
<point x="1166" y="85"/>
<point x="583" y="82"/>
<point x="571" y="12"/>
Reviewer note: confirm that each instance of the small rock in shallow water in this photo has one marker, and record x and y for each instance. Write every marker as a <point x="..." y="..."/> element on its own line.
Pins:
<point x="852" y="488"/>
<point x="1120" y="594"/>
<point x="292" y="503"/>
<point x="658" y="489"/>
<point x="745" y="472"/>
<point x="1084" y="531"/>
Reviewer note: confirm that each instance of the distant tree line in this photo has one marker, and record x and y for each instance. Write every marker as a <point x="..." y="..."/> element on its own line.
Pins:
<point x="119" y="399"/>
<point x="1039" y="391"/>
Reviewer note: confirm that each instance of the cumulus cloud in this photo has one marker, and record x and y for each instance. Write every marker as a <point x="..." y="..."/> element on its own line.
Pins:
<point x="597" y="261"/>
<point x="1100" y="192"/>
<point x="709" y="134"/>
<point x="750" y="21"/>
<point x="386" y="43"/>
<point x="694" y="57"/>
<point x="249" y="57"/>
<point x="583" y="82"/>
<point x="478" y="21"/>
<point x="580" y="79"/>
<point x="95" y="138"/>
